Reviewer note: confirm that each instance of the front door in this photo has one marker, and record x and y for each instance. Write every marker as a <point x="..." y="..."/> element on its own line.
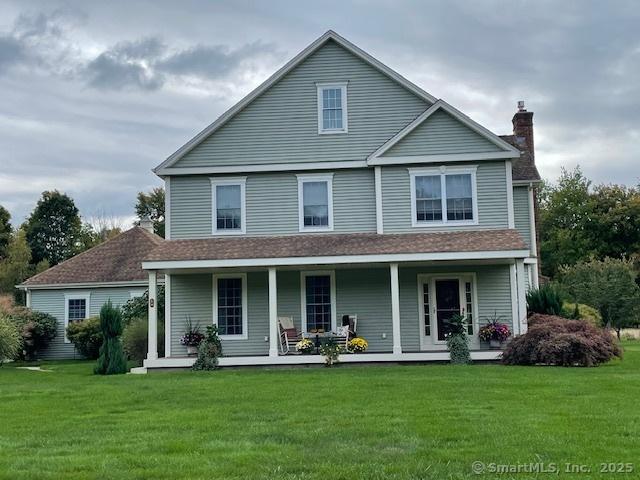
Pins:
<point x="447" y="304"/>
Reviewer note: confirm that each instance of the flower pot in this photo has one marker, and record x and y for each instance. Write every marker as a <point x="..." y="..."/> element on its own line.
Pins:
<point x="192" y="349"/>
<point x="495" y="344"/>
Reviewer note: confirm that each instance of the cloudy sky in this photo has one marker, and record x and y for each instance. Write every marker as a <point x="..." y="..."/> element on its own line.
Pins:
<point x="95" y="94"/>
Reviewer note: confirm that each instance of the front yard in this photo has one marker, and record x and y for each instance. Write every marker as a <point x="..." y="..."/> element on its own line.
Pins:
<point x="409" y="421"/>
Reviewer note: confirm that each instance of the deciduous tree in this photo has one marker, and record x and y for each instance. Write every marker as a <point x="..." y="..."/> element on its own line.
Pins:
<point x="151" y="205"/>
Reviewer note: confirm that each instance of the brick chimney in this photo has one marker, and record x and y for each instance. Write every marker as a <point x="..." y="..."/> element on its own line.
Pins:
<point x="523" y="128"/>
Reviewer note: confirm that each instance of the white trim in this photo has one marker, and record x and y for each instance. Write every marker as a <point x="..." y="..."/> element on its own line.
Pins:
<point x="315" y="177"/>
<point x="335" y="259"/>
<point x="28" y="299"/>
<point x="439" y="158"/>
<point x="228" y="181"/>
<point x="513" y="282"/>
<point x="167" y="315"/>
<point x="345" y="116"/>
<point x="439" y="356"/>
<point x="269" y="167"/>
<point x="535" y="275"/>
<point x="522" y="296"/>
<point x="136" y="293"/>
<point x="56" y="286"/>
<point x="527" y="182"/>
<point x="377" y="172"/>
<point x="152" y="330"/>
<point x="243" y="277"/>
<point x="510" y="213"/>
<point x="303" y="297"/>
<point x="86" y="296"/>
<point x="431" y="278"/>
<point x="229" y="114"/>
<point x="532" y="223"/>
<point x="442" y="172"/>
<point x="395" y="308"/>
<point x="458" y="115"/>
<point x="273" y="312"/>
<point x="167" y="208"/>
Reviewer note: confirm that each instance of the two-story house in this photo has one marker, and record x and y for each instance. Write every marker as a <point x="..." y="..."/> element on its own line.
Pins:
<point x="335" y="188"/>
<point x="338" y="187"/>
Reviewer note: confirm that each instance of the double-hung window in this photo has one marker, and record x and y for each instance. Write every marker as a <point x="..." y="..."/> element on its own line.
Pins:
<point x="318" y="302"/>
<point x="332" y="108"/>
<point x="315" y="202"/>
<point x="230" y="305"/>
<point x="445" y="195"/>
<point x="76" y="310"/>
<point x="228" y="199"/>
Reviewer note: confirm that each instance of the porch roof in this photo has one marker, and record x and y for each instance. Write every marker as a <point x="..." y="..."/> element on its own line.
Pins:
<point x="229" y="251"/>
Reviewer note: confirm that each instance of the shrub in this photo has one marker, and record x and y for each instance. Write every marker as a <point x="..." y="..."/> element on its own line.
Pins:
<point x="10" y="341"/>
<point x="86" y="336"/>
<point x="545" y="300"/>
<point x="580" y="311"/>
<point x="457" y="340"/>
<point x="331" y="351"/>
<point x="208" y="351"/>
<point x="36" y="329"/>
<point x="135" y="339"/>
<point x="552" y="340"/>
<point x="111" y="360"/>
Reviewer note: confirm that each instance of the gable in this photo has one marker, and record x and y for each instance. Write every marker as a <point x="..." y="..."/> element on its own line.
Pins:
<point x="441" y="134"/>
<point x="281" y="126"/>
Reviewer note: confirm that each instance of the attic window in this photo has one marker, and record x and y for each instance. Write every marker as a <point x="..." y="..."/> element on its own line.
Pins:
<point x="332" y="108"/>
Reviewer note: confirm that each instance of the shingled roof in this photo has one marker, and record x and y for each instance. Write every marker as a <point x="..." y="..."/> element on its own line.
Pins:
<point x="116" y="260"/>
<point x="523" y="168"/>
<point x="235" y="248"/>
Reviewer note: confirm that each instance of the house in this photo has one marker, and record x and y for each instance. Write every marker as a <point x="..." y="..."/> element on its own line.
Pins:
<point x="338" y="187"/>
<point x="77" y="288"/>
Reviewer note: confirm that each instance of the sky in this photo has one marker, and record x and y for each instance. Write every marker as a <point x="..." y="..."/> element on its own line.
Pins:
<point x="93" y="95"/>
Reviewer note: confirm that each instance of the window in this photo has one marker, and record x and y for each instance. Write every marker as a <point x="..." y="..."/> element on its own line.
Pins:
<point x="230" y="305"/>
<point x="332" y="108"/>
<point x="427" y="309"/>
<point x="445" y="195"/>
<point x="469" y="307"/>
<point x="315" y="202"/>
<point x="76" y="309"/>
<point x="228" y="195"/>
<point x="318" y="302"/>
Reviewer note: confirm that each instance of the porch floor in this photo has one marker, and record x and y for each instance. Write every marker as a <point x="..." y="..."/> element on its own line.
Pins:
<point x="265" y="360"/>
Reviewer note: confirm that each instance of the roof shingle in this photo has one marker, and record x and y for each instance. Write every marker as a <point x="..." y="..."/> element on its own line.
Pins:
<point x="523" y="168"/>
<point x="231" y="248"/>
<point x="116" y="260"/>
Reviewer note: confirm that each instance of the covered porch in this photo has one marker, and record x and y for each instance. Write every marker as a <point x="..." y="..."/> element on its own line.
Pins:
<point x="401" y="303"/>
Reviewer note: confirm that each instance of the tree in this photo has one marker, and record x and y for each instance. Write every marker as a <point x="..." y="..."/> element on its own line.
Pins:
<point x="608" y="285"/>
<point x="5" y="231"/>
<point x="54" y="228"/>
<point x="112" y="359"/>
<point x="15" y="267"/>
<point x="152" y="205"/>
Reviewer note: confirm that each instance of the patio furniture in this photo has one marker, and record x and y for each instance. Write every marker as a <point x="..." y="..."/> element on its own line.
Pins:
<point x="289" y="335"/>
<point x="352" y="322"/>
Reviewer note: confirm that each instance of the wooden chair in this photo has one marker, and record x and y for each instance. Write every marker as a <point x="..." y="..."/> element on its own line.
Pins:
<point x="347" y="331"/>
<point x="289" y="335"/>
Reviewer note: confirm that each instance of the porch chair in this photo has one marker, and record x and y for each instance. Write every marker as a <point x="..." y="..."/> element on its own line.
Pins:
<point x="289" y="335"/>
<point x="347" y="331"/>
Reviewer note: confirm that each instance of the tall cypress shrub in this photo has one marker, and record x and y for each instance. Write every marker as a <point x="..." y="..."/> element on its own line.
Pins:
<point x="112" y="359"/>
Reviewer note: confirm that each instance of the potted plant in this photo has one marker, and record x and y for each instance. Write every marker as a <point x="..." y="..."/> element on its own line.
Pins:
<point x="192" y="337"/>
<point x="495" y="332"/>
<point x="305" y="346"/>
<point x="357" y="345"/>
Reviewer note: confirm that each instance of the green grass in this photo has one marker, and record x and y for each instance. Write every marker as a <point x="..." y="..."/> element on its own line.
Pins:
<point x="369" y="422"/>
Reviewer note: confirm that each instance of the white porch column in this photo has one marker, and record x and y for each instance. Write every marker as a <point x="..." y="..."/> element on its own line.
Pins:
<point x="522" y="295"/>
<point x="167" y="314"/>
<point x="152" y="353"/>
<point x="395" y="308"/>
<point x="273" y="313"/>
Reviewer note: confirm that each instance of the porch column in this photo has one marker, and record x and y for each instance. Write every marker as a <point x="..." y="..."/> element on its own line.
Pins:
<point x="273" y="313"/>
<point x="152" y="353"/>
<point x="395" y="308"/>
<point x="522" y="295"/>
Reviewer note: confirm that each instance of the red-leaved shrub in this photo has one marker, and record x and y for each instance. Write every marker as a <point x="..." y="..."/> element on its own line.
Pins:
<point x="553" y="340"/>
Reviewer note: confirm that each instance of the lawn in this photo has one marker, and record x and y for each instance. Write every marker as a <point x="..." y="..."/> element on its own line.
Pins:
<point x="351" y="422"/>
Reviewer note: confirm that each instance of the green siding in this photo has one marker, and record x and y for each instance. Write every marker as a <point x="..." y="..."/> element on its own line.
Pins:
<point x="493" y="291"/>
<point x="492" y="198"/>
<point x="521" y="213"/>
<point x="281" y="125"/>
<point x="441" y="134"/>
<point x="272" y="204"/>
<point x="52" y="302"/>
